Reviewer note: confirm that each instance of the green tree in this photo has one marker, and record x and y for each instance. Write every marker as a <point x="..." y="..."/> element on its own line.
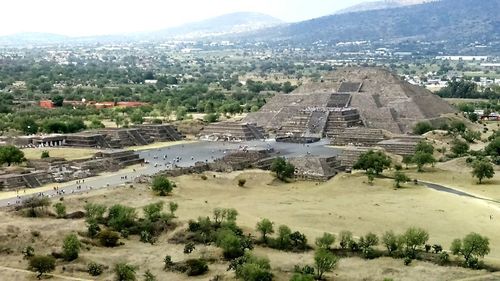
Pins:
<point x="125" y="272"/>
<point x="27" y="125"/>
<point x="424" y="146"/>
<point x="58" y="100"/>
<point x="94" y="213"/>
<point x="42" y="264"/>
<point x="121" y="217"/>
<point x="400" y="177"/>
<point x="391" y="242"/>
<point x="375" y="160"/>
<point x="282" y="168"/>
<point x="265" y="227"/>
<point x="252" y="268"/>
<point x="412" y="239"/>
<point x="71" y="247"/>
<point x="162" y="185"/>
<point x="325" y="241"/>
<point x="422" y="128"/>
<point x="459" y="147"/>
<point x="482" y="169"/>
<point x="471" y="136"/>
<point x="10" y="154"/>
<point x="345" y="238"/>
<point x="324" y="261"/>
<point x="137" y="117"/>
<point x="423" y="158"/>
<point x="211" y="117"/>
<point x="493" y="148"/>
<point x="472" y="247"/>
<point x="60" y="209"/>
<point x="153" y="211"/>
<point x="172" y="206"/>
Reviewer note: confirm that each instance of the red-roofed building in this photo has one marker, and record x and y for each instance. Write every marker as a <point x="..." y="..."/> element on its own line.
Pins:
<point x="46" y="104"/>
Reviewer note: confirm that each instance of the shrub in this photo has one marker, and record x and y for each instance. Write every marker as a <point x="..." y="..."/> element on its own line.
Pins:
<point x="407" y="261"/>
<point x="28" y="252"/>
<point x="252" y="268"/>
<point x="109" y="238"/>
<point x="265" y="227"/>
<point x="95" y="269"/>
<point x="345" y="238"/>
<point x="71" y="247"/>
<point x="189" y="248"/>
<point x="121" y="217"/>
<point x="60" y="209"/>
<point x="45" y="154"/>
<point x="196" y="267"/>
<point x="324" y="261"/>
<point x="282" y="168"/>
<point x="204" y="177"/>
<point x="42" y="264"/>
<point x="148" y="276"/>
<point x="443" y="258"/>
<point x="241" y="182"/>
<point x="472" y="247"/>
<point x="422" y="128"/>
<point x="125" y="272"/>
<point x="437" y="248"/>
<point x="162" y="185"/>
<point x="391" y="242"/>
<point x="325" y="241"/>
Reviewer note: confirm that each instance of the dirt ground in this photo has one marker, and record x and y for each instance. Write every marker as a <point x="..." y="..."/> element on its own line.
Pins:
<point x="343" y="203"/>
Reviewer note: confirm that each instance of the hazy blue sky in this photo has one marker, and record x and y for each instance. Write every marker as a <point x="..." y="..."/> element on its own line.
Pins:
<point x="91" y="17"/>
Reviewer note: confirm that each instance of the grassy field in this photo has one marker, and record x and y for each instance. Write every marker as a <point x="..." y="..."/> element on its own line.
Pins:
<point x="60" y="152"/>
<point x="343" y="203"/>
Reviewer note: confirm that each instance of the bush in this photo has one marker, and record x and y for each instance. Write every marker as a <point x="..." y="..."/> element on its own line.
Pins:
<point x="407" y="261"/>
<point x="42" y="264"/>
<point x="125" y="272"/>
<point x="422" y="128"/>
<point x="60" y="209"/>
<point x="196" y="267"/>
<point x="391" y="242"/>
<point x="121" y="217"/>
<point x="109" y="238"/>
<point x="204" y="177"/>
<point x="325" y="241"/>
<point x="71" y="247"/>
<point x="282" y="168"/>
<point x="241" y="182"/>
<point x="443" y="258"/>
<point x="28" y="252"/>
<point x="95" y="269"/>
<point x="252" y="268"/>
<point x="437" y="248"/>
<point x="45" y="154"/>
<point x="162" y="185"/>
<point x="345" y="238"/>
<point x="189" y="248"/>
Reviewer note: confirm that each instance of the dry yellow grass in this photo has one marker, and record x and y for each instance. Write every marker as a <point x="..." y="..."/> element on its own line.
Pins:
<point x="61" y="152"/>
<point x="343" y="203"/>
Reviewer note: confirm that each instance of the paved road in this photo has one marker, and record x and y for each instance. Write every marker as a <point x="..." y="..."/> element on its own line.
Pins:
<point x="187" y="155"/>
<point x="442" y="188"/>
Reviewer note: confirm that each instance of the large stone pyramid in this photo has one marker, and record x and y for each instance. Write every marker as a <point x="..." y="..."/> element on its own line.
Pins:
<point x="350" y="97"/>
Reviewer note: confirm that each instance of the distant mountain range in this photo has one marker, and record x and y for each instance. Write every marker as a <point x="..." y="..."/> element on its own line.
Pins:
<point x="380" y="5"/>
<point x="446" y="20"/>
<point x="233" y="23"/>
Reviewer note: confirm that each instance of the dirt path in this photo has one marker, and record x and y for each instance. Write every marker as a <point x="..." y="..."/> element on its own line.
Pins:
<point x="48" y="274"/>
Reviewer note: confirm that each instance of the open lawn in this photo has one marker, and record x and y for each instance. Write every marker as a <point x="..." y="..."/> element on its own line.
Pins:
<point x="344" y="203"/>
<point x="60" y="152"/>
